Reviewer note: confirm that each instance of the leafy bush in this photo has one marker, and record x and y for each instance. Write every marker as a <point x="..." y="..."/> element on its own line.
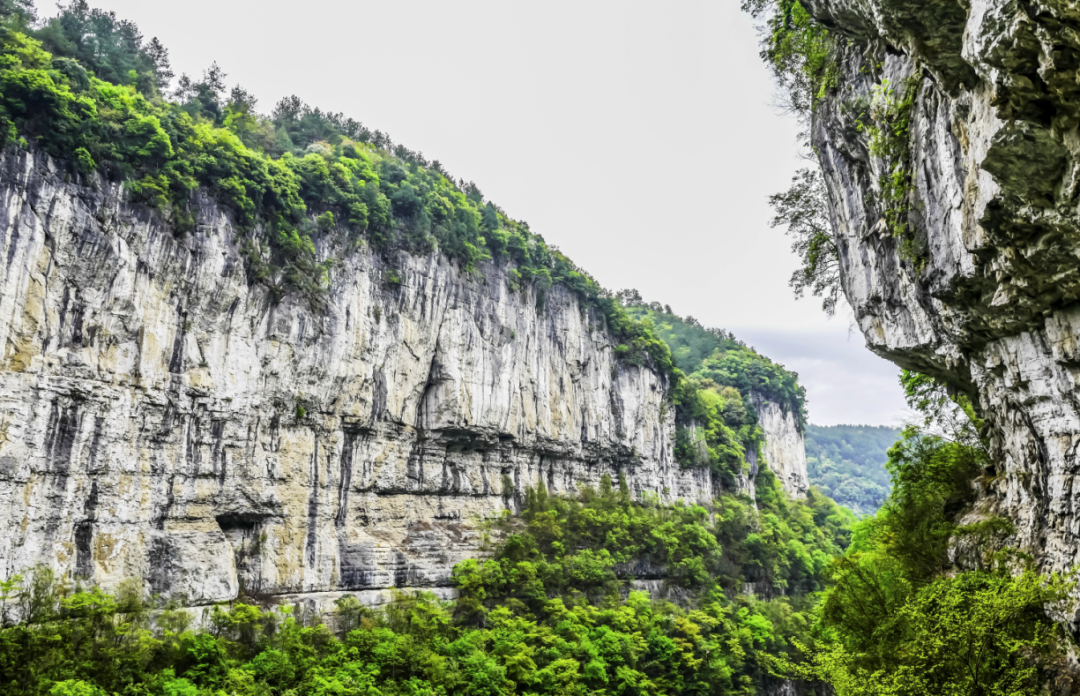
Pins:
<point x="799" y="50"/>
<point x="900" y="618"/>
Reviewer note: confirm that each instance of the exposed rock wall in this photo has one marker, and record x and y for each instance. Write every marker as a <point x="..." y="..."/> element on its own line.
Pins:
<point x="989" y="300"/>
<point x="785" y="445"/>
<point x="161" y="419"/>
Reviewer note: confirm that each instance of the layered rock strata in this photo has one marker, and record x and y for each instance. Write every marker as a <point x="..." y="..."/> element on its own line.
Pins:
<point x="979" y="285"/>
<point x="162" y="419"/>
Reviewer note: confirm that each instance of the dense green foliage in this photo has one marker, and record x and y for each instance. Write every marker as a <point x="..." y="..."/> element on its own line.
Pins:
<point x="803" y="57"/>
<point x="803" y="212"/>
<point x="572" y="546"/>
<point x="901" y="618"/>
<point x="717" y="423"/>
<point x="799" y="51"/>
<point x="848" y="463"/>
<point x="717" y="355"/>
<point x="546" y="614"/>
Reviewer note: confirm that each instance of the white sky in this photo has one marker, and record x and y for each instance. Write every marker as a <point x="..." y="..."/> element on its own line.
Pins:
<point x="638" y="137"/>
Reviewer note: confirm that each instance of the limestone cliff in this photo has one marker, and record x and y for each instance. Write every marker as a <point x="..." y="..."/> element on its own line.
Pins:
<point x="980" y="285"/>
<point x="162" y="419"/>
<point x="785" y="445"/>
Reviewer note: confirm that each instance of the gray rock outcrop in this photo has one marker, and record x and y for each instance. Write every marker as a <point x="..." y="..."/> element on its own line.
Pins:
<point x="785" y="445"/>
<point x="162" y="419"/>
<point x="981" y="287"/>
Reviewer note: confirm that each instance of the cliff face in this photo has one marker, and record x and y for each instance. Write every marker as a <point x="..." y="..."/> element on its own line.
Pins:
<point x="161" y="419"/>
<point x="987" y="299"/>
<point x="785" y="445"/>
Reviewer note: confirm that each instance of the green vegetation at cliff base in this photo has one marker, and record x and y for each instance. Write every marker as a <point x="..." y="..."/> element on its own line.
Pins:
<point x="551" y="611"/>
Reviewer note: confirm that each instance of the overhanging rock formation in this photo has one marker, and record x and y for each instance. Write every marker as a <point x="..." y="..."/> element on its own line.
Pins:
<point x="980" y="286"/>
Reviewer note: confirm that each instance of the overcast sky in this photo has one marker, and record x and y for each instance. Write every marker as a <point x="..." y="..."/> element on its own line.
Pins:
<point x="638" y="137"/>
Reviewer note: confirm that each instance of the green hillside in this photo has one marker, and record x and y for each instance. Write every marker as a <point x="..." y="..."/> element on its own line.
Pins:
<point x="716" y="355"/>
<point x="716" y="421"/>
<point x="848" y="463"/>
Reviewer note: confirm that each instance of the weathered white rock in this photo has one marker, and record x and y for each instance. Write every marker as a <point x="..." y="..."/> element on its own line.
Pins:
<point x="785" y="445"/>
<point x="994" y="146"/>
<point x="161" y="419"/>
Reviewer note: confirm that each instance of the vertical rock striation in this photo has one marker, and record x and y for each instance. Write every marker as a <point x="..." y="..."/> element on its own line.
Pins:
<point x="785" y="445"/>
<point x="981" y="287"/>
<point x="162" y="419"/>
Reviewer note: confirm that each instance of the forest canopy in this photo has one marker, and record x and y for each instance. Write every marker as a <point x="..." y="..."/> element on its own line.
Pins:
<point x="848" y="463"/>
<point x="715" y="354"/>
<point x="549" y="611"/>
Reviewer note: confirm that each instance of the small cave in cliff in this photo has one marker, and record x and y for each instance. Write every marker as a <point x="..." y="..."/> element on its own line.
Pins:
<point x="244" y="532"/>
<point x="244" y="522"/>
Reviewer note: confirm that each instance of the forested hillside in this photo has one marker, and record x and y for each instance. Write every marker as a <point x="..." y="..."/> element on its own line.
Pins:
<point x="727" y="375"/>
<point x="717" y="355"/>
<point x="847" y="462"/>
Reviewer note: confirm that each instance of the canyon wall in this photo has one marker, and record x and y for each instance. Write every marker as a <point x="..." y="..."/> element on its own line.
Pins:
<point x="785" y="445"/>
<point x="981" y="287"/>
<point x="162" y="419"/>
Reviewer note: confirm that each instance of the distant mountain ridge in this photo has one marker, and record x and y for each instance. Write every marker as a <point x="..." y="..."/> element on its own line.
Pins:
<point x="848" y="463"/>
